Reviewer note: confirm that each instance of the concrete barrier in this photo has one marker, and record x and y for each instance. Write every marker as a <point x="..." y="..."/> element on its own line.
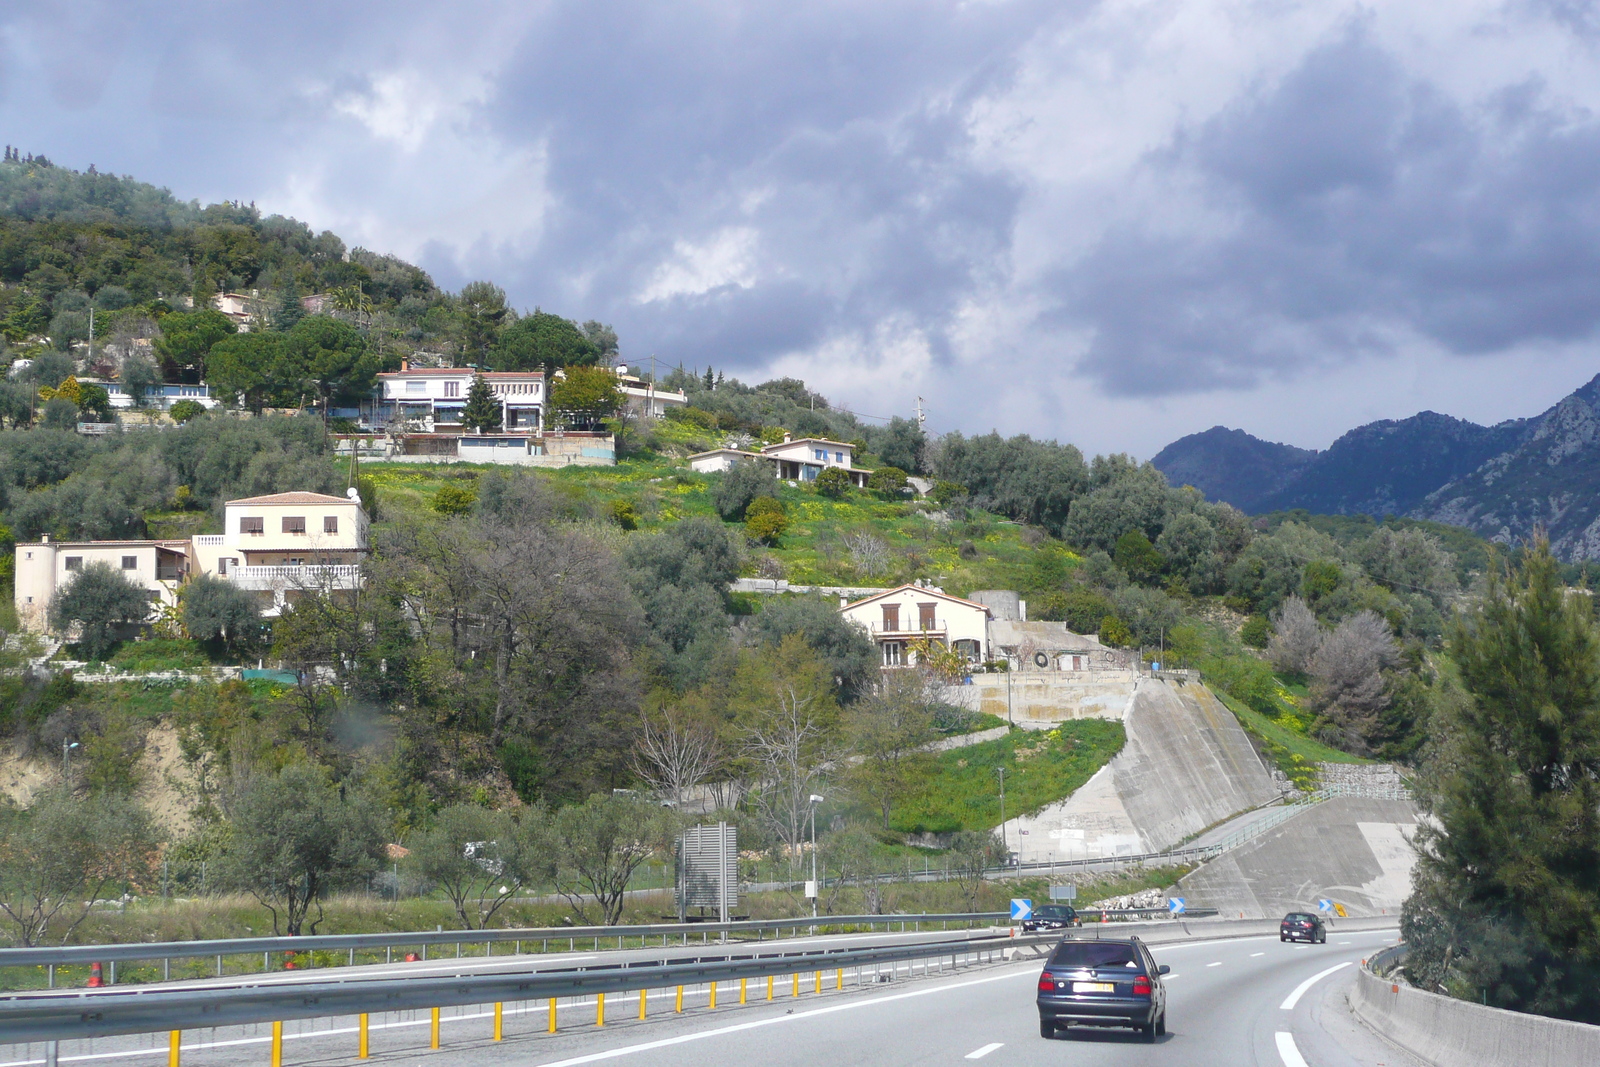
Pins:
<point x="1458" y="1033"/>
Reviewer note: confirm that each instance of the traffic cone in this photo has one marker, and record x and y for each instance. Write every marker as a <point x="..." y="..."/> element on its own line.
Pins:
<point x="411" y="957"/>
<point x="95" y="981"/>
<point x="288" y="960"/>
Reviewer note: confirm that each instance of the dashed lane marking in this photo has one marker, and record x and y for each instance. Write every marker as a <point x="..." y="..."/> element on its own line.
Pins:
<point x="1288" y="1052"/>
<point x="1217" y="964"/>
<point x="980" y="1053"/>
<point x="1300" y="990"/>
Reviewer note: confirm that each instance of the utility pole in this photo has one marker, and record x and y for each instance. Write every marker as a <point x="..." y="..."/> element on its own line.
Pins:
<point x="816" y="887"/>
<point x="1004" y="842"/>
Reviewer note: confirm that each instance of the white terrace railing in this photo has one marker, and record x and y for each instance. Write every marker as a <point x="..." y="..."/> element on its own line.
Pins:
<point x="341" y="575"/>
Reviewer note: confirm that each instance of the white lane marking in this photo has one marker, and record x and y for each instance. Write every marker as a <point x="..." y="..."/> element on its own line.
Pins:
<point x="1253" y="955"/>
<point x="667" y="1042"/>
<point x="1217" y="964"/>
<point x="978" y="1054"/>
<point x="1344" y="942"/>
<point x="1164" y="978"/>
<point x="1288" y="1051"/>
<point x="1300" y="990"/>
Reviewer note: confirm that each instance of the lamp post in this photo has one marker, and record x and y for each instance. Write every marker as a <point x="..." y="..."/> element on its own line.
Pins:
<point x="66" y="760"/>
<point x="816" y="889"/>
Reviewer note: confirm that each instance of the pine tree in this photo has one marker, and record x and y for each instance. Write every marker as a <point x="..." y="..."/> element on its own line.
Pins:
<point x="1506" y="902"/>
<point x="482" y="412"/>
<point x="709" y="380"/>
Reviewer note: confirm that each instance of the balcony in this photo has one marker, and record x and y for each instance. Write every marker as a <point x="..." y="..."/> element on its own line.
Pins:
<point x="298" y="576"/>
<point x="210" y="540"/>
<point x="906" y="632"/>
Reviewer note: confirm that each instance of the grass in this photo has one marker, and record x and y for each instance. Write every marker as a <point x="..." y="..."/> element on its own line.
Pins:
<point x="1295" y="754"/>
<point x="962" y="791"/>
<point x="979" y="551"/>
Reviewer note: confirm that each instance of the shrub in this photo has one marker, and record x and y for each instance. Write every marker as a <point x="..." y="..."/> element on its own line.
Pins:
<point x="1256" y="632"/>
<point x="104" y="602"/>
<point x="766" y="520"/>
<point x="1081" y="609"/>
<point x="947" y="493"/>
<point x="1115" y="632"/>
<point x="741" y="484"/>
<point x="834" y="483"/>
<point x="887" y="480"/>
<point x="624" y="514"/>
<point x="455" y="499"/>
<point x="184" y="410"/>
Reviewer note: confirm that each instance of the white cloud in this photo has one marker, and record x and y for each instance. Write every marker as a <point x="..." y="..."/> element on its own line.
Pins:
<point x="728" y="257"/>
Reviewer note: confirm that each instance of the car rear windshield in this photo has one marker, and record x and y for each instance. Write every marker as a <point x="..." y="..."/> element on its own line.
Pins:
<point x="1297" y="917"/>
<point x="1094" y="954"/>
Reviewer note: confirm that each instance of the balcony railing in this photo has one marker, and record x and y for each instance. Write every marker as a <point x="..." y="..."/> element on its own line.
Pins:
<point x="210" y="540"/>
<point x="937" y="628"/>
<point x="290" y="576"/>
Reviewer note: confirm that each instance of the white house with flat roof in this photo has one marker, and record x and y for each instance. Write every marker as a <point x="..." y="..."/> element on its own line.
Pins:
<point x="793" y="460"/>
<point x="435" y="397"/>
<point x="277" y="547"/>
<point x="898" y="619"/>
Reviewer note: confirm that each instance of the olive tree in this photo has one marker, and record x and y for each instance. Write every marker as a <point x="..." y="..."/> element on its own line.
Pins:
<point x="598" y="845"/>
<point x="296" y="835"/>
<point x="101" y="601"/>
<point x="218" y="612"/>
<point x="63" y="854"/>
<point x="479" y="858"/>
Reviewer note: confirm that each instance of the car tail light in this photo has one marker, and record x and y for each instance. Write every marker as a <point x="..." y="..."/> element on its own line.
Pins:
<point x="1047" y="983"/>
<point x="1141" y="986"/>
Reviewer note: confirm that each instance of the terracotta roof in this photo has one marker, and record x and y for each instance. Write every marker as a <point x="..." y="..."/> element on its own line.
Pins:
<point x="166" y="542"/>
<point x="294" y="498"/>
<point x="920" y="590"/>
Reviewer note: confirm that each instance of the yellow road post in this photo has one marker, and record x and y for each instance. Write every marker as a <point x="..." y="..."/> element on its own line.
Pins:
<point x="277" y="1045"/>
<point x="769" y="987"/>
<point x="552" y="1015"/>
<point x="742" y="982"/>
<point x="643" y="994"/>
<point x="499" y="1021"/>
<point x="797" y="983"/>
<point x="172" y="1048"/>
<point x="838" y="980"/>
<point x="361" y="1036"/>
<point x="713" y="1005"/>
<point x="679" y="1006"/>
<point x="819" y="982"/>
<point x="599" y="1009"/>
<point x="433" y="1029"/>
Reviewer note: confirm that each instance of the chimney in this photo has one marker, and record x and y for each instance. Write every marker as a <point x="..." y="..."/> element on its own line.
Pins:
<point x="405" y="365"/>
<point x="44" y="539"/>
<point x="787" y="437"/>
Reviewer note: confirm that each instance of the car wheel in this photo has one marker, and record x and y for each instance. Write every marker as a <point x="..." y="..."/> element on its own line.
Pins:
<point x="1161" y="1025"/>
<point x="1047" y="1029"/>
<point x="1148" y="1033"/>
<point x="1283" y="937"/>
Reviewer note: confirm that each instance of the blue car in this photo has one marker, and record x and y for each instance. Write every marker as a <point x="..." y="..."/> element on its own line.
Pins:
<point x="1103" y="983"/>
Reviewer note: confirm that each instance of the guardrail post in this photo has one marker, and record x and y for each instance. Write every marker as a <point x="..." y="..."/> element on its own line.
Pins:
<point x="713" y="1004"/>
<point x="499" y="1020"/>
<point x="644" y="995"/>
<point x="797" y="983"/>
<point x="838" y="980"/>
<point x="277" y="1044"/>
<point x="599" y="1009"/>
<point x="769" y="987"/>
<point x="819" y="982"/>
<point x="52" y="1053"/>
<point x="742" y="982"/>
<point x="173" y="1040"/>
<point x="552" y="1015"/>
<point x="679" y="1007"/>
<point x="361" y="1036"/>
<point x="433" y="1029"/>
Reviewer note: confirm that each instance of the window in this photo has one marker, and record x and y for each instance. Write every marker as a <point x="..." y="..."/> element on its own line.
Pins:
<point x="925" y="617"/>
<point x="416" y="388"/>
<point x="330" y="524"/>
<point x="294" y="524"/>
<point x="130" y="563"/>
<point x="222" y="564"/>
<point x="74" y="563"/>
<point x="893" y="653"/>
<point x="253" y="525"/>
<point x="452" y="388"/>
<point x="838" y="457"/>
<point x="820" y="453"/>
<point x="891" y="617"/>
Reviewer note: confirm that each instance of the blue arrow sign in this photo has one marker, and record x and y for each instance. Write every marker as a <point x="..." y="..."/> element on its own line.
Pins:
<point x="1021" y="909"/>
<point x="1176" y="905"/>
<point x="1324" y="904"/>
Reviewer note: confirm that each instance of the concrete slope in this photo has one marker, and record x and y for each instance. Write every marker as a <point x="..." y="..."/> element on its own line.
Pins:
<point x="1354" y="851"/>
<point x="1187" y="765"/>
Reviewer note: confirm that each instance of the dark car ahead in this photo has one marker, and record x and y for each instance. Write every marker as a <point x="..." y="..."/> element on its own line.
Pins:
<point x="1102" y="983"/>
<point x="1052" y="917"/>
<point x="1302" y="926"/>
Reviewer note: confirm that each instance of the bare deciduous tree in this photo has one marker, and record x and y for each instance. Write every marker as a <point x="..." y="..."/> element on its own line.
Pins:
<point x="788" y="742"/>
<point x="676" y="751"/>
<point x="868" y="552"/>
<point x="887" y="731"/>
<point x="1296" y="636"/>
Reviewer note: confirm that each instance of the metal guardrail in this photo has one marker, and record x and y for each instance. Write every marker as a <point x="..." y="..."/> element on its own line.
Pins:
<point x="63" y="955"/>
<point x="102" y="1013"/>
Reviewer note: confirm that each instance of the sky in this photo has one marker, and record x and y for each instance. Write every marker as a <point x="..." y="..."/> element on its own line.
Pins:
<point x="1109" y="223"/>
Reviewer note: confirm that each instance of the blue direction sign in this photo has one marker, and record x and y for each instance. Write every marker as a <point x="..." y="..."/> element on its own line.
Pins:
<point x="1021" y="909"/>
<point x="1324" y="904"/>
<point x="1176" y="905"/>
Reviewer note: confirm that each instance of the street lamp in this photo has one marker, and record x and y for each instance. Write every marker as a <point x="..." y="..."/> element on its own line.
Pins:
<point x="66" y="759"/>
<point x="816" y="889"/>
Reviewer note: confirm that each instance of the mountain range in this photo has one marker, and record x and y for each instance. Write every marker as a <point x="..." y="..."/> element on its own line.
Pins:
<point x="1499" y="481"/>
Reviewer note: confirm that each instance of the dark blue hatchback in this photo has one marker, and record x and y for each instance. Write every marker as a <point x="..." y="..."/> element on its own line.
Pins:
<point x="1103" y="983"/>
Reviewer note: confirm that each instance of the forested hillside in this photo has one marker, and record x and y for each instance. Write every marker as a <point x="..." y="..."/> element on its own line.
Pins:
<point x="526" y="643"/>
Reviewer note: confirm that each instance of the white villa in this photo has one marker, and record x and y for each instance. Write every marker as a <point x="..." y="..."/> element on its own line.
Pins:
<point x="434" y="397"/>
<point x="277" y="547"/>
<point x="799" y="461"/>
<point x="899" y="618"/>
<point x="646" y="398"/>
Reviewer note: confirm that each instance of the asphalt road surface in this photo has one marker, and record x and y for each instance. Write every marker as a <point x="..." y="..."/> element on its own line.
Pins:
<point x="1249" y="1002"/>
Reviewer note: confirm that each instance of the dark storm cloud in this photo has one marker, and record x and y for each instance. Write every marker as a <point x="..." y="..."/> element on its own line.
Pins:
<point x="1364" y="207"/>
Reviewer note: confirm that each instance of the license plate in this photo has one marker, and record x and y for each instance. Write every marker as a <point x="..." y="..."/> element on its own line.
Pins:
<point x="1094" y="987"/>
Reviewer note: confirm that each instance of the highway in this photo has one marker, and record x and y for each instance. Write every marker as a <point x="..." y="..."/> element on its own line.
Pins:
<point x="1248" y="1001"/>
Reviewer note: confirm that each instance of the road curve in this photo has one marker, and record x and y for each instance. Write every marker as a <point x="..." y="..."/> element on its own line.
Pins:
<point x="1247" y="1002"/>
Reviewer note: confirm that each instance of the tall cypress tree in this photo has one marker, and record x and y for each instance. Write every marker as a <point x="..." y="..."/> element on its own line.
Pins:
<point x="482" y="412"/>
<point x="1505" y="907"/>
